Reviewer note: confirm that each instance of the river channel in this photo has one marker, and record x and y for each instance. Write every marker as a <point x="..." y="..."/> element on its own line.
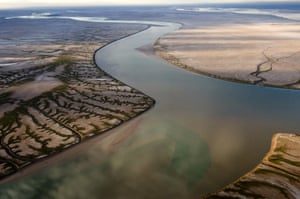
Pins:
<point x="202" y="133"/>
<point x="221" y="129"/>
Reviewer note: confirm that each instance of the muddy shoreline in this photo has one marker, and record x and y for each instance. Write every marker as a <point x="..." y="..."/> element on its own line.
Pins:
<point x="78" y="80"/>
<point x="233" y="53"/>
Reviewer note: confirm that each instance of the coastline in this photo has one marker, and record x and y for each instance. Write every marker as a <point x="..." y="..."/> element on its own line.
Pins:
<point x="176" y="62"/>
<point x="282" y="179"/>
<point x="277" y="176"/>
<point x="225" y="53"/>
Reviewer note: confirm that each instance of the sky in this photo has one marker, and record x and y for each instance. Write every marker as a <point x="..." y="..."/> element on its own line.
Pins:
<point x="44" y="3"/>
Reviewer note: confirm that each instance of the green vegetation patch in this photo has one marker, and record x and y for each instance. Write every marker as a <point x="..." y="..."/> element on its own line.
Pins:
<point x="64" y="60"/>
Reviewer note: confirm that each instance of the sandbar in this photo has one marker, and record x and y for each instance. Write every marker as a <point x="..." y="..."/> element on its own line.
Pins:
<point x="258" y="53"/>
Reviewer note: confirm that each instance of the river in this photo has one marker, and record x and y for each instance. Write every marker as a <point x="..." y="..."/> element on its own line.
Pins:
<point x="202" y="133"/>
<point x="229" y="125"/>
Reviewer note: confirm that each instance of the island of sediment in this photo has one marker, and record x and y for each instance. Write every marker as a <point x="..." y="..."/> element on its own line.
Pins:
<point x="277" y="176"/>
<point x="258" y="53"/>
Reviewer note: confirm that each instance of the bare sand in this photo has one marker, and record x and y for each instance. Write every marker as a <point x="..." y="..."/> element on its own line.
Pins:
<point x="264" y="53"/>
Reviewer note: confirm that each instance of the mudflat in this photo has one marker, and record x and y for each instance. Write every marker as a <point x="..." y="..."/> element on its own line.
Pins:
<point x="53" y="96"/>
<point x="259" y="53"/>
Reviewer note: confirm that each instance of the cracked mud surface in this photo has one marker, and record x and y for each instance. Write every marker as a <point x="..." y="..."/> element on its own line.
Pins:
<point x="266" y="54"/>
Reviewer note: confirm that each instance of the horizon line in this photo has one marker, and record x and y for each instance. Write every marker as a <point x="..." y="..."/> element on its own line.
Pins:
<point x="145" y="5"/>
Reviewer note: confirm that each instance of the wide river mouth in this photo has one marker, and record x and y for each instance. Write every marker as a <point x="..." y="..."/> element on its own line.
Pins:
<point x="202" y="134"/>
<point x="226" y="126"/>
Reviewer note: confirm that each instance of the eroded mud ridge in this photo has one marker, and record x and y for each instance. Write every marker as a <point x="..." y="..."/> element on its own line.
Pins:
<point x="55" y="98"/>
<point x="277" y="176"/>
